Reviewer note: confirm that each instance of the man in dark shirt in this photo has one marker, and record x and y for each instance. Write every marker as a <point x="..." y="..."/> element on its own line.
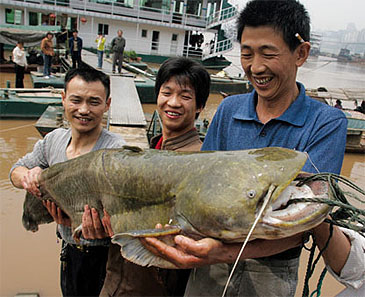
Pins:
<point x="75" y="45"/>
<point x="118" y="45"/>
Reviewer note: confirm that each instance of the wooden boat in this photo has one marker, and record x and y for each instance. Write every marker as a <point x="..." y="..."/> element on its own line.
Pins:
<point x="27" y="103"/>
<point x="350" y="99"/>
<point x="52" y="118"/>
<point x="355" y="142"/>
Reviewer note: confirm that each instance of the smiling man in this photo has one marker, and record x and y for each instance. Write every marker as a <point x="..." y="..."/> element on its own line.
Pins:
<point x="85" y="99"/>
<point x="274" y="38"/>
<point x="182" y="89"/>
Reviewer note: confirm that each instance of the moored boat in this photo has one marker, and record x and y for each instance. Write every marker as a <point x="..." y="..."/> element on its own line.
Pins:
<point x="350" y="99"/>
<point x="27" y="103"/>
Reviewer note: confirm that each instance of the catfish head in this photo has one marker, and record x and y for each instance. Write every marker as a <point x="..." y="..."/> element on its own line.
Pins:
<point x="225" y="201"/>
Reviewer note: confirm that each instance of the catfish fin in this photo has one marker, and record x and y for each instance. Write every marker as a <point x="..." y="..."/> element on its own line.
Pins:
<point x="132" y="148"/>
<point x="134" y="251"/>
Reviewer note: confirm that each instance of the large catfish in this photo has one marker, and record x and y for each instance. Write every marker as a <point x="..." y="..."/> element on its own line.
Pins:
<point x="204" y="194"/>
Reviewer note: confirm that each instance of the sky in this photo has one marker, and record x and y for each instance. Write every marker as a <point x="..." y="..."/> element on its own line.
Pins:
<point x="331" y="15"/>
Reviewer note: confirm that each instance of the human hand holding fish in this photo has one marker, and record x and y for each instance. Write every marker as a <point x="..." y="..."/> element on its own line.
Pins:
<point x="57" y="214"/>
<point x="92" y="226"/>
<point x="190" y="253"/>
<point x="30" y="180"/>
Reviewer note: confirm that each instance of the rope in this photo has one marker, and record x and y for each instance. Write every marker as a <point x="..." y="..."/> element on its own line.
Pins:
<point x="312" y="264"/>
<point x="345" y="215"/>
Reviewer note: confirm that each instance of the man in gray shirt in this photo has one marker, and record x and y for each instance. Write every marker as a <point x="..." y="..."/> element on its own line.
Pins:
<point x="118" y="45"/>
<point x="85" y="99"/>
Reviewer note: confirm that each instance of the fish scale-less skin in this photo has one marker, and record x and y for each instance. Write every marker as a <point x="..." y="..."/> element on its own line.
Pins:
<point x="203" y="192"/>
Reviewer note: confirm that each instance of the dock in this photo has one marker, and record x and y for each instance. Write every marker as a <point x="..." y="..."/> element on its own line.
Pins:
<point x="126" y="115"/>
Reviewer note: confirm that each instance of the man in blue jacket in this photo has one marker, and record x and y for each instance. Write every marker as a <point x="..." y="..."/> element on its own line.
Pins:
<point x="75" y="45"/>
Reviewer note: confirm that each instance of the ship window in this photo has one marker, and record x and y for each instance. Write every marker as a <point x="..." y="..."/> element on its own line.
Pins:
<point x="13" y="16"/>
<point x="103" y="28"/>
<point x="144" y="33"/>
<point x="33" y="18"/>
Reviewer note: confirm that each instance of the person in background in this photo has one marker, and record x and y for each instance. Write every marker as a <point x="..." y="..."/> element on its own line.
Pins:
<point x="182" y="89"/>
<point x="338" y="104"/>
<point x="100" y="46"/>
<point x="48" y="53"/>
<point x="85" y="99"/>
<point x="118" y="45"/>
<point x="274" y="38"/>
<point x="20" y="61"/>
<point x="75" y="46"/>
<point x="361" y="108"/>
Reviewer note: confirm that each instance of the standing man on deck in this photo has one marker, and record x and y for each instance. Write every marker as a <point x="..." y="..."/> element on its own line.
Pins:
<point x="48" y="53"/>
<point x="21" y="64"/>
<point x="75" y="45"/>
<point x="118" y="45"/>
<point x="274" y="39"/>
<point x="85" y="99"/>
<point x="100" y="46"/>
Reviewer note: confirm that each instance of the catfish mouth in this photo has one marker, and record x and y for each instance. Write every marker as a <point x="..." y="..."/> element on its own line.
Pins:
<point x="283" y="215"/>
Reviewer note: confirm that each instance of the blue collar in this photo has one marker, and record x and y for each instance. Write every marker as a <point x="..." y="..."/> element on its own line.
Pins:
<point x="295" y="115"/>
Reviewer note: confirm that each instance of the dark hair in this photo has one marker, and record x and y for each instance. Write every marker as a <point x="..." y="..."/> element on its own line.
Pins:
<point x="186" y="72"/>
<point x="20" y="42"/>
<point x="285" y="16"/>
<point x="89" y="75"/>
<point x="75" y="31"/>
<point x="49" y="33"/>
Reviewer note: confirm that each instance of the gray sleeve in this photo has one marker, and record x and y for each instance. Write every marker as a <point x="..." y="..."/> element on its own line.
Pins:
<point x="353" y="273"/>
<point x="35" y="158"/>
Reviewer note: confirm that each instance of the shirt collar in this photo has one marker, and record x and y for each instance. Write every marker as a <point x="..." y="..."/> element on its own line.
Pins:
<point x="295" y="114"/>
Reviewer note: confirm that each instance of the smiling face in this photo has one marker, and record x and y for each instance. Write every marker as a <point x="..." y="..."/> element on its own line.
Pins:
<point x="176" y="105"/>
<point x="84" y="104"/>
<point x="269" y="64"/>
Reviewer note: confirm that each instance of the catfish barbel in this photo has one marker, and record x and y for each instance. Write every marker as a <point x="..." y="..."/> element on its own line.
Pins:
<point x="202" y="194"/>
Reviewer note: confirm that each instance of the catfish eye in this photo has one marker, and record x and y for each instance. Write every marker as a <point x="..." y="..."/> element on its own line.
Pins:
<point x="251" y="194"/>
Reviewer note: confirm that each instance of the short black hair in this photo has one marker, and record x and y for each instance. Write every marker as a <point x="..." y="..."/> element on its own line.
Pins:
<point x="75" y="31"/>
<point x="185" y="71"/>
<point x="285" y="16"/>
<point x="89" y="75"/>
<point x="20" y="42"/>
<point x="49" y="33"/>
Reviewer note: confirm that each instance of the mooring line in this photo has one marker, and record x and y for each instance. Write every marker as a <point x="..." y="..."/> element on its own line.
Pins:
<point x="266" y="201"/>
<point x="15" y="128"/>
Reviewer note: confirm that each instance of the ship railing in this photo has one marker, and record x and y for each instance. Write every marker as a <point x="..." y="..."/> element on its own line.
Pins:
<point x="141" y="13"/>
<point x="218" y="48"/>
<point x="166" y="15"/>
<point x="221" y="16"/>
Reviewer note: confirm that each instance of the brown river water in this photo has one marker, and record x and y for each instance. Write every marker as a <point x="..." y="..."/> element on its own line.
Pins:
<point x="29" y="262"/>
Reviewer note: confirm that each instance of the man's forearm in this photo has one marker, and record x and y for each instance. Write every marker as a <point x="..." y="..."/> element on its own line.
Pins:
<point x="337" y="252"/>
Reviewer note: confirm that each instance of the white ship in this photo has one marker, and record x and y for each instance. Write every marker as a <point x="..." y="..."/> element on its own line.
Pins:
<point x="152" y="28"/>
<point x="315" y="40"/>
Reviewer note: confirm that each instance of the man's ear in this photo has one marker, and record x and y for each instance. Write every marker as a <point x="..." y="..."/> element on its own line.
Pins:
<point x="108" y="102"/>
<point x="63" y="96"/>
<point x="302" y="52"/>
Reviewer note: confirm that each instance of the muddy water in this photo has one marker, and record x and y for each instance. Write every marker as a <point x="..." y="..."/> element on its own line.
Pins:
<point x="30" y="262"/>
